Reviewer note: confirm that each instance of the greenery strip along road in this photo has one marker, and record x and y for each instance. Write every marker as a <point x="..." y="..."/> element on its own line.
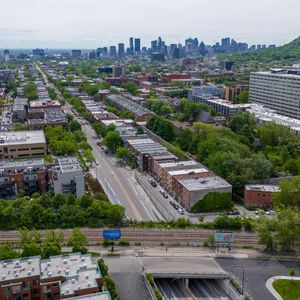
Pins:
<point x="149" y="236"/>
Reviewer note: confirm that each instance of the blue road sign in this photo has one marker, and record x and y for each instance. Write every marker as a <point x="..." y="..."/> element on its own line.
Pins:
<point x="112" y="234"/>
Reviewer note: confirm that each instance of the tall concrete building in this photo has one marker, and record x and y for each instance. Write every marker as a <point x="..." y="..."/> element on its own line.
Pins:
<point x="278" y="89"/>
<point x="131" y="45"/>
<point x="121" y="49"/>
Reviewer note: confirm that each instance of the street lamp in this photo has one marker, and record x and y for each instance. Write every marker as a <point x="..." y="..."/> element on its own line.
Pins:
<point x="243" y="279"/>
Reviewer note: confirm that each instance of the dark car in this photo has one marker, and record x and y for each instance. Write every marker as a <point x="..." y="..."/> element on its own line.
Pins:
<point x="153" y="183"/>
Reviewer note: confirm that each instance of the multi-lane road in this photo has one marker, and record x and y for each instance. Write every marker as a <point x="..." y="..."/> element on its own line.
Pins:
<point x="118" y="183"/>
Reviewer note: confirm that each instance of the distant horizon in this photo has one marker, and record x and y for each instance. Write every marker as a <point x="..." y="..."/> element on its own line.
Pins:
<point x="148" y="45"/>
<point x="70" y="24"/>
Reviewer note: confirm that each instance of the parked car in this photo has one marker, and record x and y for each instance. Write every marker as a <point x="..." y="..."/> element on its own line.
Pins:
<point x="153" y="183"/>
<point x="180" y="210"/>
<point x="233" y="213"/>
<point x="165" y="194"/>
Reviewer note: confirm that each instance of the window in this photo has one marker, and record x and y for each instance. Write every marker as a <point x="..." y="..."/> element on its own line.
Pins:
<point x="16" y="289"/>
<point x="36" y="282"/>
<point x="25" y="285"/>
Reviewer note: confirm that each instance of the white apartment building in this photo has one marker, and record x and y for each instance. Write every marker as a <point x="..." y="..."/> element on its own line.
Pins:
<point x="278" y="89"/>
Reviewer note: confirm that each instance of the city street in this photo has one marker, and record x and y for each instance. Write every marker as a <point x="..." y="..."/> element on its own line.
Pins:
<point x="257" y="272"/>
<point x="118" y="183"/>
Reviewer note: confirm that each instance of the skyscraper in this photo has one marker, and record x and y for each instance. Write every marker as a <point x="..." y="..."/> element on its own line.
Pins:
<point x="137" y="45"/>
<point x="131" y="45"/>
<point x="6" y="55"/>
<point x="121" y="49"/>
<point x="112" y="51"/>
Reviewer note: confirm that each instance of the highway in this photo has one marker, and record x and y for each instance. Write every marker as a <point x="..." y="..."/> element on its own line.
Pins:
<point x="118" y="183"/>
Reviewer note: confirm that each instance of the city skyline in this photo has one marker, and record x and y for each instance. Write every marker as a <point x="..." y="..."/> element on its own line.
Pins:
<point x="30" y="23"/>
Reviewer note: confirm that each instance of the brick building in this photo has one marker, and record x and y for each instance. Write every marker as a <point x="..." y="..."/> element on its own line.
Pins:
<point x="59" y="277"/>
<point x="260" y="195"/>
<point x="26" y="175"/>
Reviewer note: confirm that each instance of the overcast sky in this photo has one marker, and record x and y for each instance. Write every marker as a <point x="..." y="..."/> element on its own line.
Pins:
<point x="93" y="23"/>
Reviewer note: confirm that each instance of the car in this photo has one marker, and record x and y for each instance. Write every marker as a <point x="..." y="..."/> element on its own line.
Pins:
<point x="99" y="144"/>
<point x="270" y="212"/>
<point x="161" y="191"/>
<point x="165" y="194"/>
<point x="176" y="206"/>
<point x="97" y="162"/>
<point x="172" y="202"/>
<point x="233" y="213"/>
<point x="180" y="210"/>
<point x="153" y="183"/>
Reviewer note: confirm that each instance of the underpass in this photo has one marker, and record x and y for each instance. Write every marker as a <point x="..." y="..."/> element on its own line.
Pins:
<point x="182" y="278"/>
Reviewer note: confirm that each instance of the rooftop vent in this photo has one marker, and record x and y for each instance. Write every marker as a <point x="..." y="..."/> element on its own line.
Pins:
<point x="49" y="274"/>
<point x="73" y="281"/>
<point x="29" y="273"/>
<point x="86" y="276"/>
<point x="4" y="265"/>
<point x="29" y="261"/>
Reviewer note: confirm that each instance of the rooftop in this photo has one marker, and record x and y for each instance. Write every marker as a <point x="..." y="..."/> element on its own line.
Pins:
<point x="129" y="105"/>
<point x="187" y="171"/>
<point x="11" y="138"/>
<point x="69" y="164"/>
<point x="263" y="188"/>
<point x="19" y="268"/>
<point x="79" y="270"/>
<point x="28" y="163"/>
<point x="203" y="183"/>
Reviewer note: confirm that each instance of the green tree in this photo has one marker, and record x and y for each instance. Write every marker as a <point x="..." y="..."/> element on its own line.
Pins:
<point x="78" y="241"/>
<point x="242" y="97"/>
<point x="8" y="252"/>
<point x="30" y="242"/>
<point x="52" y="243"/>
<point x="112" y="140"/>
<point x="122" y="153"/>
<point x="161" y="127"/>
<point x="289" y="195"/>
<point x="74" y="126"/>
<point x="239" y="120"/>
<point x="292" y="272"/>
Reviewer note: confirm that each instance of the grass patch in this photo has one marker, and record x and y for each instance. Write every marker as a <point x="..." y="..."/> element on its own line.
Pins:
<point x="288" y="289"/>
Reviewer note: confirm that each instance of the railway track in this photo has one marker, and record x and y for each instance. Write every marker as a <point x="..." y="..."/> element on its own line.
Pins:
<point x="149" y="236"/>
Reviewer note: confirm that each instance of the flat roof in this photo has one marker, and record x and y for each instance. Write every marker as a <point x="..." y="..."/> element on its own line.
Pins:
<point x="203" y="183"/>
<point x="79" y="270"/>
<point x="69" y="164"/>
<point x="263" y="188"/>
<point x="19" y="268"/>
<point x="187" y="171"/>
<point x="24" y="163"/>
<point x="178" y="164"/>
<point x="11" y="138"/>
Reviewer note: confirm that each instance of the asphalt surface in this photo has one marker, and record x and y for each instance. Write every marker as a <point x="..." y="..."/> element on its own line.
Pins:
<point x="120" y="183"/>
<point x="257" y="272"/>
<point x="126" y="271"/>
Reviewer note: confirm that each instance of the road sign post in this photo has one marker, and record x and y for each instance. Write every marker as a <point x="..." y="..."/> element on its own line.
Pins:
<point x="112" y="234"/>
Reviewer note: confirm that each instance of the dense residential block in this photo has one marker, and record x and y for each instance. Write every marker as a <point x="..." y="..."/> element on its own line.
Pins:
<point x="59" y="277"/>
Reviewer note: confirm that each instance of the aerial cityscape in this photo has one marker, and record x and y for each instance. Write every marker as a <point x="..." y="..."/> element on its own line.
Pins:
<point x="149" y="151"/>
